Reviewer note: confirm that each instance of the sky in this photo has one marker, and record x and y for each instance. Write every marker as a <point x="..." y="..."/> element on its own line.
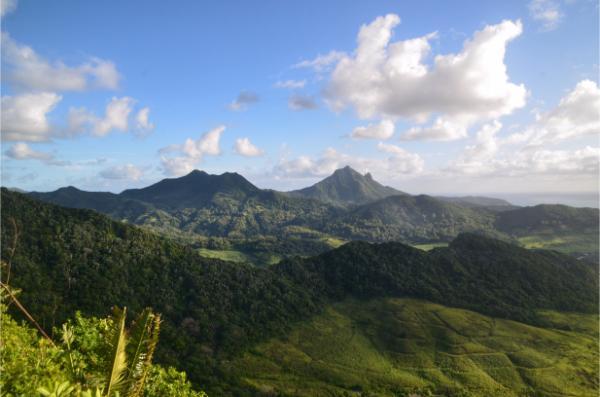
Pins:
<point x="436" y="97"/>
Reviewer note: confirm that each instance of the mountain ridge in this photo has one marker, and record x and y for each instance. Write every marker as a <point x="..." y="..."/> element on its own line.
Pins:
<point x="200" y="206"/>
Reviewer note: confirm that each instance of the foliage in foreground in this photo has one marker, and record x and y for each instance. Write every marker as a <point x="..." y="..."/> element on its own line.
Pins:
<point x="94" y="358"/>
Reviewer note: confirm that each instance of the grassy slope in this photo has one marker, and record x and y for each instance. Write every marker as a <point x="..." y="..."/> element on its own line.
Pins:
<point x="389" y="346"/>
<point x="430" y="246"/>
<point x="569" y="243"/>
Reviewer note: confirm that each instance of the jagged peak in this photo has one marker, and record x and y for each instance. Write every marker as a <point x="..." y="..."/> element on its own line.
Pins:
<point x="346" y="170"/>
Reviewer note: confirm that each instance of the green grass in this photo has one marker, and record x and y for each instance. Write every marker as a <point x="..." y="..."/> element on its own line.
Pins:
<point x="259" y="259"/>
<point x="584" y="245"/>
<point x="333" y="242"/>
<point x="430" y="246"/>
<point x="226" y="255"/>
<point x="388" y="347"/>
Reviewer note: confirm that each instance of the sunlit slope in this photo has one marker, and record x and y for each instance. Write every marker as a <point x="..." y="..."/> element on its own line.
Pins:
<point x="388" y="347"/>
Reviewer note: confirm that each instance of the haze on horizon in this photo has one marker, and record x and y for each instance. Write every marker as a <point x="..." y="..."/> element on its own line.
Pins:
<point x="430" y="98"/>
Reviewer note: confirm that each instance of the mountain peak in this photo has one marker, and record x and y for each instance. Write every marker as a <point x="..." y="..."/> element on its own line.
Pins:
<point x="196" y="172"/>
<point x="346" y="186"/>
<point x="347" y="170"/>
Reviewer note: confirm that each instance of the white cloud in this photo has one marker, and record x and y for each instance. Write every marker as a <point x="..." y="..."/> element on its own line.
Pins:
<point x="28" y="70"/>
<point x="529" y="153"/>
<point x="321" y="62"/>
<point x="577" y="115"/>
<point x="243" y="101"/>
<point x="7" y="6"/>
<point x="491" y="156"/>
<point x="442" y="129"/>
<point x="486" y="144"/>
<point x="177" y="166"/>
<point x="301" y="102"/>
<point x="547" y="12"/>
<point x="555" y="163"/>
<point x="24" y="116"/>
<point x="244" y="147"/>
<point x="78" y="121"/>
<point x="399" y="163"/>
<point x="22" y="151"/>
<point x="143" y="120"/>
<point x="291" y="84"/>
<point x="479" y="157"/>
<point x="126" y="171"/>
<point x="116" y="116"/>
<point x="192" y="152"/>
<point x="390" y="79"/>
<point x="382" y="131"/>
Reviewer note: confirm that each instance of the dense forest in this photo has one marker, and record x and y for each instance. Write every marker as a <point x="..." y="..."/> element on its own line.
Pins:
<point x="69" y="259"/>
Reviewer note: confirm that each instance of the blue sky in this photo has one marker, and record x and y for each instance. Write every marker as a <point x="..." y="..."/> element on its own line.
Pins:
<point x="512" y="111"/>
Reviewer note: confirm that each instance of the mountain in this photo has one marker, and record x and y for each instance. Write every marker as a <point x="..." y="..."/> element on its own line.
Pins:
<point x="409" y="218"/>
<point x="105" y="202"/>
<point x="347" y="187"/>
<point x="217" y="312"/>
<point x="194" y="190"/>
<point x="199" y="204"/>
<point x="479" y="201"/>
<point x="199" y="207"/>
<point x="548" y="218"/>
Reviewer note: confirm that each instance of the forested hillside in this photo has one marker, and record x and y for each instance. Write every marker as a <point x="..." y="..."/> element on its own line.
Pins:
<point x="68" y="260"/>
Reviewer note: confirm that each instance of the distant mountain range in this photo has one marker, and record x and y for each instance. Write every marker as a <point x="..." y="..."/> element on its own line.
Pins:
<point x="343" y="206"/>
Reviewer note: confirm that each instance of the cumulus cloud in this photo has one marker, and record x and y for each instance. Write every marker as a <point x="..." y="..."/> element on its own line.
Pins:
<point x="381" y="131"/>
<point x="243" y="100"/>
<point x="244" y="147"/>
<point x="291" y="84"/>
<point x="547" y="12"/>
<point x="22" y="151"/>
<point x="7" y="6"/>
<point x="126" y="171"/>
<point x="527" y="154"/>
<point x="26" y="69"/>
<point x="390" y="79"/>
<point x="577" y="115"/>
<point x="116" y="118"/>
<point x="479" y="157"/>
<point x="177" y="166"/>
<point x="301" y="102"/>
<point x="400" y="162"/>
<point x="142" y="119"/>
<point x="191" y="152"/>
<point x="24" y="117"/>
<point x="321" y="62"/>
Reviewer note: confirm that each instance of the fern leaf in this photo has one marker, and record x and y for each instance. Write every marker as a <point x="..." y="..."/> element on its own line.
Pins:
<point x="144" y="337"/>
<point x="118" y="371"/>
